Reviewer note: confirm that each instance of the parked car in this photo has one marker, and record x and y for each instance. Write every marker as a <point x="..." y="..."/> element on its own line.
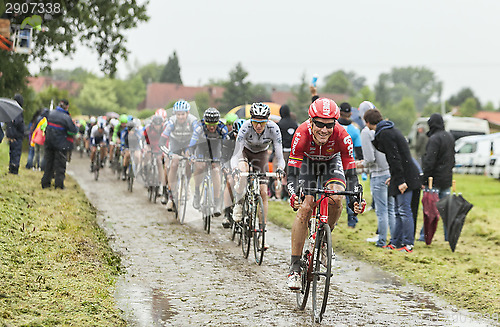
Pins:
<point x="474" y="154"/>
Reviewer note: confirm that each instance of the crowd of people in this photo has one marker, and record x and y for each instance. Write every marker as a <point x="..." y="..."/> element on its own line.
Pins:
<point x="330" y="142"/>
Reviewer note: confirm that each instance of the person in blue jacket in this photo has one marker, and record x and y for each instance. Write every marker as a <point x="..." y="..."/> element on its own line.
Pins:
<point x="15" y="135"/>
<point x="58" y="142"/>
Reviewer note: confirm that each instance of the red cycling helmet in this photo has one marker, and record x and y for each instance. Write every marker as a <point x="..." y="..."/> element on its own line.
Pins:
<point x="324" y="108"/>
<point x="162" y="113"/>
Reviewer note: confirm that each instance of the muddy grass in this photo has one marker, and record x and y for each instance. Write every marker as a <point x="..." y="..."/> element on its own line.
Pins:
<point x="469" y="277"/>
<point x="55" y="265"/>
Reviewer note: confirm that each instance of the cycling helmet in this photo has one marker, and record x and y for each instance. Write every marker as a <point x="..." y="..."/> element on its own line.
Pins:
<point x="130" y="117"/>
<point x="114" y="122"/>
<point x="260" y="110"/>
<point x="123" y="119"/>
<point x="231" y="118"/>
<point x="211" y="115"/>
<point x="182" y="105"/>
<point x="157" y="120"/>
<point x="93" y="120"/>
<point x="237" y="124"/>
<point x="161" y="113"/>
<point x="324" y="108"/>
<point x="130" y="125"/>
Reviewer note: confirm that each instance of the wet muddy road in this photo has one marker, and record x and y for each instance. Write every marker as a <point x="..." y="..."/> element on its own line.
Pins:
<point x="180" y="276"/>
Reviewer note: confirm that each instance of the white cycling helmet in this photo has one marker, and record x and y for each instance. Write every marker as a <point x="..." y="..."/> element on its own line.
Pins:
<point x="260" y="110"/>
<point x="182" y="105"/>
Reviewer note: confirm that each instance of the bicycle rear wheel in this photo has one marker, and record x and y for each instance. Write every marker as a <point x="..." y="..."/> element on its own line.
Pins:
<point x="181" y="199"/>
<point x="321" y="274"/>
<point x="246" y="229"/>
<point x="204" y="204"/>
<point x="258" y="220"/>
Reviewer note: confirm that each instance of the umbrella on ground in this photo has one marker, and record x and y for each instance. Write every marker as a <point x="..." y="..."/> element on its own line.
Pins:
<point x="431" y="213"/>
<point x="453" y="210"/>
<point x="9" y="109"/>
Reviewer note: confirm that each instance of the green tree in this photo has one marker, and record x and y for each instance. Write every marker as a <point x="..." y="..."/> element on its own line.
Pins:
<point x="13" y="74"/>
<point x="149" y="73"/>
<point x="418" y="83"/>
<point x="364" y="94"/>
<point x="129" y="93"/>
<point x="259" y="93"/>
<point x="489" y="106"/>
<point x="302" y="100"/>
<point x="469" y="108"/>
<point x="339" y="83"/>
<point x="51" y="95"/>
<point x="78" y="74"/>
<point x="465" y="93"/>
<point x="98" y="97"/>
<point x="237" y="89"/>
<point x="403" y="114"/>
<point x="172" y="71"/>
<point x="202" y="100"/>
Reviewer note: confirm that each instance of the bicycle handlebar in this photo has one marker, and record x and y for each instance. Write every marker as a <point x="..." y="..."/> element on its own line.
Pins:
<point x="246" y="174"/>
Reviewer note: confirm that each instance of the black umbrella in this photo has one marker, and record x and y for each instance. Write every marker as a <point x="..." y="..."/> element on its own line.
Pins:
<point x="453" y="210"/>
<point x="9" y="109"/>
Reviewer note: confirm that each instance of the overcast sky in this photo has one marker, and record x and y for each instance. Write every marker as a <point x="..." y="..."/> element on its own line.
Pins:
<point x="278" y="40"/>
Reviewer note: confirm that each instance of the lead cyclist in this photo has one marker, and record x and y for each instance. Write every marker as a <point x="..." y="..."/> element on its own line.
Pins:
<point x="321" y="144"/>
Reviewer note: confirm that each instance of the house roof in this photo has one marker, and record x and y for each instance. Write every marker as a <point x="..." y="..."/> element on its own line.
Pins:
<point x="159" y="95"/>
<point x="492" y="117"/>
<point x="40" y="83"/>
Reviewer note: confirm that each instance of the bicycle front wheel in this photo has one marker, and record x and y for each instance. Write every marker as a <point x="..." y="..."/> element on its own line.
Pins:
<point x="246" y="229"/>
<point x="97" y="166"/>
<point x="259" y="226"/>
<point x="322" y="272"/>
<point x="130" y="178"/>
<point x="306" y="267"/>
<point x="182" y="199"/>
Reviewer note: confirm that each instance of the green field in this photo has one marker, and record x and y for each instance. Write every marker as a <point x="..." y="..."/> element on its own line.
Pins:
<point x="469" y="277"/>
<point x="55" y="265"/>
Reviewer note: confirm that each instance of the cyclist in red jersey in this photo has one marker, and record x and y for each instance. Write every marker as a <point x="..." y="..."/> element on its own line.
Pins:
<point x="319" y="146"/>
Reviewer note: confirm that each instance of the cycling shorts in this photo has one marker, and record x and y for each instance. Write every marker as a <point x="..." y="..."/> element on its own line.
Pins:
<point x="259" y="161"/>
<point x="330" y="172"/>
<point x="177" y="147"/>
<point x="203" y="150"/>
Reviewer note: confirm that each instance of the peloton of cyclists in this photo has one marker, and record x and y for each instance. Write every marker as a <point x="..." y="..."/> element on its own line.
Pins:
<point x="318" y="143"/>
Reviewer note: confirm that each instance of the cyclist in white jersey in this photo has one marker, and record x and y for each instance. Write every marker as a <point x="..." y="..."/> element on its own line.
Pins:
<point x="252" y="143"/>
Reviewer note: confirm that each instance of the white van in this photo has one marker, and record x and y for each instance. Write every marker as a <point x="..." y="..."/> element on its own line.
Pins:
<point x="457" y="126"/>
<point x="474" y="153"/>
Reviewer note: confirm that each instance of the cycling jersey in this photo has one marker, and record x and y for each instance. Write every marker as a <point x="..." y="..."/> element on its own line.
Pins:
<point x="249" y="139"/>
<point x="303" y="145"/>
<point x="178" y="135"/>
<point x="130" y="139"/>
<point x="97" y="138"/>
<point x="152" y="137"/>
<point x="209" y="144"/>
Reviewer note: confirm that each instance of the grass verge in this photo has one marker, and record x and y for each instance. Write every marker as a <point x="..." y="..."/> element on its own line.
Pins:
<point x="55" y="265"/>
<point x="468" y="278"/>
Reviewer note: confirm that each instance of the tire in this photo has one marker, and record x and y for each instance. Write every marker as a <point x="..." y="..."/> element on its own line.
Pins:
<point x="246" y="232"/>
<point x="182" y="200"/>
<point x="130" y="178"/>
<point x="306" y="266"/>
<point x="156" y="192"/>
<point x="204" y="203"/>
<point x="321" y="274"/>
<point x="97" y="166"/>
<point x="259" y="235"/>
<point x="150" y="193"/>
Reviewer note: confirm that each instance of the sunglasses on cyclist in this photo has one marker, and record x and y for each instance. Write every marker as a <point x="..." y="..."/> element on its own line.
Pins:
<point x="259" y="122"/>
<point x="211" y="124"/>
<point x="321" y="124"/>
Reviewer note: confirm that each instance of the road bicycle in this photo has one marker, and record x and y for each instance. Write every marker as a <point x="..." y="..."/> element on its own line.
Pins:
<point x="253" y="223"/>
<point x="152" y="177"/>
<point x="181" y="192"/>
<point x="207" y="193"/>
<point x="317" y="253"/>
<point x="97" y="162"/>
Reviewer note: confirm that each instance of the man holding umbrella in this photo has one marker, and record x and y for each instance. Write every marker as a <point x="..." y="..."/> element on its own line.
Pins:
<point x="15" y="134"/>
<point x="439" y="159"/>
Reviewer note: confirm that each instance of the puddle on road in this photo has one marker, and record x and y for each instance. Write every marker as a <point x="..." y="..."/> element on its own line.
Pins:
<point x="144" y="306"/>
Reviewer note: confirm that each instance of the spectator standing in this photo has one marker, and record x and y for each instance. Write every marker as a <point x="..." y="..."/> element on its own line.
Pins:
<point x="420" y="144"/>
<point x="353" y="131"/>
<point x="58" y="141"/>
<point x="31" y="127"/>
<point x="404" y="176"/>
<point x="439" y="159"/>
<point x="38" y="139"/>
<point x="287" y="126"/>
<point x="376" y="164"/>
<point x="15" y="135"/>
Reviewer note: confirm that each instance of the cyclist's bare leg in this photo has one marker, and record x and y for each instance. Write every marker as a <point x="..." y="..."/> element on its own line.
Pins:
<point x="216" y="179"/>
<point x="172" y="173"/>
<point x="103" y="151"/>
<point x="299" y="227"/>
<point x="227" y="195"/>
<point x="243" y="167"/>
<point x="92" y="153"/>
<point x="335" y="205"/>
<point x="126" y="158"/>
<point x="199" y="167"/>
